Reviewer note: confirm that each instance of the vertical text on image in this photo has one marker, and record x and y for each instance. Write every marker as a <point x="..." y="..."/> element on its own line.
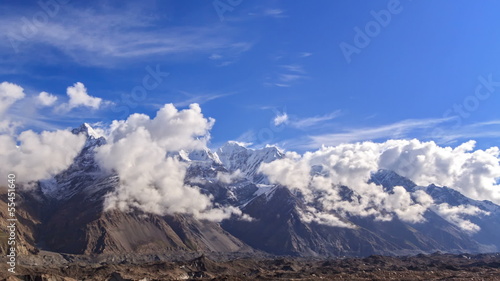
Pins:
<point x="11" y="222"/>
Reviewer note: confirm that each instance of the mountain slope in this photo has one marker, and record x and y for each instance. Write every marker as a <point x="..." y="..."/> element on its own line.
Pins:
<point x="76" y="222"/>
<point x="29" y="212"/>
<point x="65" y="214"/>
<point x="277" y="228"/>
<point x="489" y="223"/>
<point x="92" y="231"/>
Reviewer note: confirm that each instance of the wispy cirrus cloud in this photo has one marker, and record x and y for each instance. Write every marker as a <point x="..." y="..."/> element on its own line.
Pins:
<point x="305" y="54"/>
<point x="289" y="71"/>
<point x="225" y="57"/>
<point x="438" y="130"/>
<point x="106" y="36"/>
<point x="285" y="77"/>
<point x="269" y="12"/>
<point x="293" y="74"/>
<point x="294" y="68"/>
<point x="395" y="130"/>
<point x="303" y="123"/>
<point x="200" y="98"/>
<point x="478" y="130"/>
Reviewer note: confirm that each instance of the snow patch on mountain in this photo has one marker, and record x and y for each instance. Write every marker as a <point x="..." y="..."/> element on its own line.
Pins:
<point x="265" y="189"/>
<point x="81" y="174"/>
<point x="235" y="156"/>
<point x="86" y="129"/>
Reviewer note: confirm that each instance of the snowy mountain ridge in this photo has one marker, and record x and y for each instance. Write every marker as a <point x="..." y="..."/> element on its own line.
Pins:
<point x="230" y="177"/>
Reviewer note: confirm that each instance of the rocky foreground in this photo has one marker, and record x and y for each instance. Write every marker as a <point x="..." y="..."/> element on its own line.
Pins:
<point x="421" y="267"/>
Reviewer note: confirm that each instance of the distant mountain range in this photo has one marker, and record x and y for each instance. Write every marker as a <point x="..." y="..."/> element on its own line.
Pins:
<point x="65" y="214"/>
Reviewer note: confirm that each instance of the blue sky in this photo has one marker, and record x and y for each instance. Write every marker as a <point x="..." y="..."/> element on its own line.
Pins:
<point x="268" y="71"/>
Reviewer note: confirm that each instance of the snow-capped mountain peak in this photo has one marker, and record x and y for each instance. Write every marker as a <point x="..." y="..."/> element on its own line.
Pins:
<point x="204" y="155"/>
<point x="389" y="179"/>
<point x="279" y="214"/>
<point x="86" y="129"/>
<point x="199" y="157"/>
<point x="234" y="156"/>
<point x="82" y="174"/>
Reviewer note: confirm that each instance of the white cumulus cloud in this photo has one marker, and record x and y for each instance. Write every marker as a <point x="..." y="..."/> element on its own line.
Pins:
<point x="32" y="156"/>
<point x="320" y="176"/>
<point x="9" y="94"/>
<point x="149" y="179"/>
<point x="46" y="99"/>
<point x="474" y="173"/>
<point x="78" y="96"/>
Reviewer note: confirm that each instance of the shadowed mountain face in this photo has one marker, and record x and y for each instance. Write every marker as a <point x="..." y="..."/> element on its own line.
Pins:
<point x="92" y="231"/>
<point x="65" y="214"/>
<point x="278" y="229"/>
<point x="29" y="212"/>
<point x="77" y="224"/>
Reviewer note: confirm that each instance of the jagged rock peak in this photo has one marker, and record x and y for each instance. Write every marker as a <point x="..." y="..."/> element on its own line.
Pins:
<point x="235" y="156"/>
<point x="231" y="146"/>
<point x="234" y="149"/>
<point x="390" y="179"/>
<point x="86" y="129"/>
<point x="204" y="154"/>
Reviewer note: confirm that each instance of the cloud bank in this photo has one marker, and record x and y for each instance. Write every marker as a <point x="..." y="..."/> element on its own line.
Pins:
<point x="454" y="215"/>
<point x="32" y="156"/>
<point x="150" y="180"/>
<point x="474" y="173"/>
<point x="320" y="177"/>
